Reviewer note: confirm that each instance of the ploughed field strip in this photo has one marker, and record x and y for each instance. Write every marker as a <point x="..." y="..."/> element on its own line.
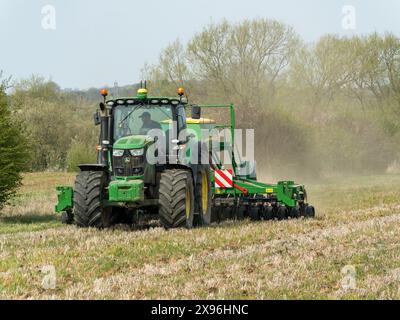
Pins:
<point x="234" y="259"/>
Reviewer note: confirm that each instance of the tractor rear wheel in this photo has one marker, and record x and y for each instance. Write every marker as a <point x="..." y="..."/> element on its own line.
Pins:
<point x="203" y="196"/>
<point x="176" y="202"/>
<point x="88" y="199"/>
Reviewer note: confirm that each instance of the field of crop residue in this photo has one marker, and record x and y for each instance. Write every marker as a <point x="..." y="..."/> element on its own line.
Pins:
<point x="357" y="229"/>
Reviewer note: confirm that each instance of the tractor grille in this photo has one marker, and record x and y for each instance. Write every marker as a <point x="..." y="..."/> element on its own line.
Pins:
<point x="127" y="165"/>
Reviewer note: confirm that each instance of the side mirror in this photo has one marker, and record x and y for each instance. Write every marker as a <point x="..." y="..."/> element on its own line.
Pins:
<point x="96" y="118"/>
<point x="102" y="106"/>
<point x="196" y="112"/>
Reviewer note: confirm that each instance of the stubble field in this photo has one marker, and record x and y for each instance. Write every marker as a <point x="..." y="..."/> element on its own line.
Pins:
<point x="350" y="251"/>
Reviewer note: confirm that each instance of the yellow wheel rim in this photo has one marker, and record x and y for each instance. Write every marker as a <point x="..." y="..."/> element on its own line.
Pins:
<point x="204" y="192"/>
<point x="187" y="203"/>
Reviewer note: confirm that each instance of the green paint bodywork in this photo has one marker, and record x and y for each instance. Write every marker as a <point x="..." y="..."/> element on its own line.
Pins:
<point x="286" y="192"/>
<point x="126" y="191"/>
<point x="65" y="197"/>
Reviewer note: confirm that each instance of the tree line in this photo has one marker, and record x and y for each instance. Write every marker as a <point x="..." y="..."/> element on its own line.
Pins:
<point x="318" y="109"/>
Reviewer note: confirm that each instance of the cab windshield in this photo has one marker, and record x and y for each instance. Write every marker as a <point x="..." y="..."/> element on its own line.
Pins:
<point x="139" y="119"/>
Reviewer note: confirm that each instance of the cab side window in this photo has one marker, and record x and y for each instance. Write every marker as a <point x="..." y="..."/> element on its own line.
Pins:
<point x="181" y="118"/>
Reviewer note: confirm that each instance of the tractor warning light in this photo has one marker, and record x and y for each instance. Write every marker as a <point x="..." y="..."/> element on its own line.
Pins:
<point x="104" y="92"/>
<point x="181" y="91"/>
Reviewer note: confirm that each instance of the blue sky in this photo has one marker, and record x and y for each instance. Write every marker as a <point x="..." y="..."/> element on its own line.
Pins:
<point x="98" y="42"/>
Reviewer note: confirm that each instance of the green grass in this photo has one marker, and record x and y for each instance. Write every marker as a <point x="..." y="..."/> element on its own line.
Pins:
<point x="357" y="224"/>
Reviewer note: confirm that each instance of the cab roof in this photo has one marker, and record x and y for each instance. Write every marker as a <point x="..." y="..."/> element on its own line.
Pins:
<point x="156" y="101"/>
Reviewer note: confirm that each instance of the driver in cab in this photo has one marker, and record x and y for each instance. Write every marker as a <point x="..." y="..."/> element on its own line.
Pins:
<point x="148" y="124"/>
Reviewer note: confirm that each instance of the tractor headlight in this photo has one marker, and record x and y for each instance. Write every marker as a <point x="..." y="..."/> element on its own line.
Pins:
<point x="118" y="153"/>
<point x="137" y="152"/>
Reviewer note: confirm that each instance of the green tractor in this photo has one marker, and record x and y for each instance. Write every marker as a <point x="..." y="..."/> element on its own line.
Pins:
<point x="147" y="167"/>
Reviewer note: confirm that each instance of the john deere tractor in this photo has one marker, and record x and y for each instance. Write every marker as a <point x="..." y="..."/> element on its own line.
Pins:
<point x="147" y="167"/>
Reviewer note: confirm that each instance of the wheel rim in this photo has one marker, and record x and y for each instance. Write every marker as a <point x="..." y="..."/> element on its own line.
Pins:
<point x="204" y="192"/>
<point x="187" y="203"/>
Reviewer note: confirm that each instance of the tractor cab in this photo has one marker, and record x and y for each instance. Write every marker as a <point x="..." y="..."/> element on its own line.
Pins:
<point x="137" y="116"/>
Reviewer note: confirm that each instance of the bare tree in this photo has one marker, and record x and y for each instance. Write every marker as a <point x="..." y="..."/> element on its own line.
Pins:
<point x="243" y="60"/>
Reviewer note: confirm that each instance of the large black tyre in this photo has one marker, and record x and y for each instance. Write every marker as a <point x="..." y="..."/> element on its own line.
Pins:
<point x="176" y="201"/>
<point x="203" y="196"/>
<point x="88" y="196"/>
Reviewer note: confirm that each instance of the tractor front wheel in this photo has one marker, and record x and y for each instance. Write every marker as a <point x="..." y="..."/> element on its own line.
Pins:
<point x="176" y="202"/>
<point x="88" y="199"/>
